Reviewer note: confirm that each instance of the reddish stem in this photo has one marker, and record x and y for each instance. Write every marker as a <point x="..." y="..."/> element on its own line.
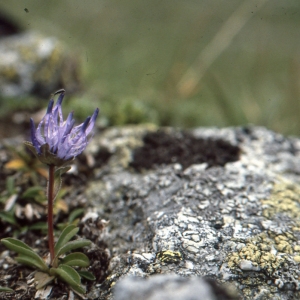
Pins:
<point x="50" y="212"/>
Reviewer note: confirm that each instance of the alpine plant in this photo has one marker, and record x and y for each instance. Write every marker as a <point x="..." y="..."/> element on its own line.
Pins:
<point x="56" y="143"/>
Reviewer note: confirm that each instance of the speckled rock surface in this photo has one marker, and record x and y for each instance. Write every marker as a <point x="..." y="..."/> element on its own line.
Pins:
<point x="220" y="203"/>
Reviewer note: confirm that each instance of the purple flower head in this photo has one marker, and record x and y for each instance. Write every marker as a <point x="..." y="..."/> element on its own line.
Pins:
<point x="56" y="141"/>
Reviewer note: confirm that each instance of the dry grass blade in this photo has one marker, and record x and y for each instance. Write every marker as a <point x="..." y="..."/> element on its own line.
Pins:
<point x="192" y="77"/>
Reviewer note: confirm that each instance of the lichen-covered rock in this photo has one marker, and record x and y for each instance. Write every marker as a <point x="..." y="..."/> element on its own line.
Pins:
<point x="220" y="203"/>
<point x="31" y="63"/>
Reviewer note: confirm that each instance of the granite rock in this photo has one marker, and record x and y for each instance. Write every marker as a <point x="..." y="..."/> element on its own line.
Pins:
<point x="216" y="203"/>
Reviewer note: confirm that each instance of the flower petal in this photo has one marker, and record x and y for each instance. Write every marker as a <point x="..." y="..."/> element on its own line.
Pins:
<point x="92" y="121"/>
<point x="34" y="140"/>
<point x="63" y="141"/>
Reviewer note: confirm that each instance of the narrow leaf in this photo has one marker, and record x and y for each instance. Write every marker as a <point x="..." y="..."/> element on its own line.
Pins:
<point x="70" y="276"/>
<point x="29" y="261"/>
<point x="57" y="179"/>
<point x="69" y="232"/>
<point x="31" y="148"/>
<point x="72" y="246"/>
<point x="38" y="226"/>
<point x="24" y="250"/>
<point x="33" y="192"/>
<point x="8" y="217"/>
<point x="75" y="213"/>
<point x="6" y="290"/>
<point x="10" y="185"/>
<point x="64" y="169"/>
<point x="87" y="275"/>
<point x="13" y="244"/>
<point x="76" y="259"/>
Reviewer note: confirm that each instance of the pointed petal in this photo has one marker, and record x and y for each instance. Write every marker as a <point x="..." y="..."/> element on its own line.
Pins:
<point x="92" y="122"/>
<point x="66" y="129"/>
<point x="60" y="98"/>
<point x="58" y="108"/>
<point x="85" y="124"/>
<point x="35" y="142"/>
<point x="46" y="120"/>
<point x="39" y="135"/>
<point x="50" y="106"/>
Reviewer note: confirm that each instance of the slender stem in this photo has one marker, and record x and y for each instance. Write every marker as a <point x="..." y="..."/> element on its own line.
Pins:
<point x="50" y="212"/>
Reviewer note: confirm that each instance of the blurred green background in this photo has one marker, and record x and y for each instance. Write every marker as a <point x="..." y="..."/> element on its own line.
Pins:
<point x="181" y="63"/>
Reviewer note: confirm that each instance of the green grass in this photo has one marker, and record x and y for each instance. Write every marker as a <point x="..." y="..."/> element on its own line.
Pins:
<point x="136" y="55"/>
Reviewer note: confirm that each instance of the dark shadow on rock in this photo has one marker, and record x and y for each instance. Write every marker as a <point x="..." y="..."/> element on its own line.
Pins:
<point x="182" y="147"/>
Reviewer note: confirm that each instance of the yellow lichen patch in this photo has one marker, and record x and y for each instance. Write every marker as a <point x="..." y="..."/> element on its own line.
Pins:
<point x="233" y="260"/>
<point x="297" y="252"/>
<point x="285" y="198"/>
<point x="258" y="251"/>
<point x="169" y="256"/>
<point x="297" y="258"/>
<point x="285" y="247"/>
<point x="250" y="252"/>
<point x="269" y="261"/>
<point x="283" y="242"/>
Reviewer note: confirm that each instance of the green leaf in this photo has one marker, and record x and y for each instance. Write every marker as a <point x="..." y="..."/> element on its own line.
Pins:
<point x="69" y="232"/>
<point x="72" y="246"/>
<point x="76" y="259"/>
<point x="31" y="148"/>
<point x="35" y="193"/>
<point x="70" y="276"/>
<point x="75" y="213"/>
<point x="38" y="226"/>
<point x="10" y="242"/>
<point x="63" y="170"/>
<point x="10" y="185"/>
<point x="32" y="192"/>
<point x="28" y="261"/>
<point x="26" y="254"/>
<point x="6" y="290"/>
<point x="42" y="279"/>
<point x="8" y="217"/>
<point x="87" y="275"/>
